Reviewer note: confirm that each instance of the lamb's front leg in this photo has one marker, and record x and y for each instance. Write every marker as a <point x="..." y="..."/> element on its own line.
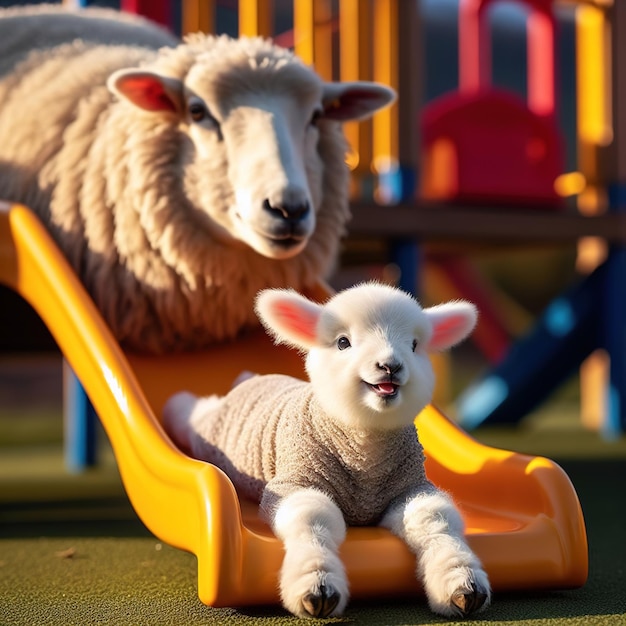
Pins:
<point x="452" y="575"/>
<point x="313" y="582"/>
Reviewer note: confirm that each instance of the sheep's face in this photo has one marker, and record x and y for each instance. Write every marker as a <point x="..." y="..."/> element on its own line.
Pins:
<point x="370" y="368"/>
<point x="250" y="116"/>
<point x="367" y="349"/>
<point x="274" y="172"/>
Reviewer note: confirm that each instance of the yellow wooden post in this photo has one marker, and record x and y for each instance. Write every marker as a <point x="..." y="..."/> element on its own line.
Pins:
<point x="255" y="18"/>
<point x="303" y="21"/>
<point x="385" y="70"/>
<point x="398" y="63"/>
<point x="198" y="16"/>
<point x="355" y="63"/>
<point x="593" y="97"/>
<point x="594" y="130"/>
<point x="313" y="34"/>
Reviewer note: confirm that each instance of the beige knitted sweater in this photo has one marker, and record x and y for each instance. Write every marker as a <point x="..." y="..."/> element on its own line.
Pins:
<point x="270" y="435"/>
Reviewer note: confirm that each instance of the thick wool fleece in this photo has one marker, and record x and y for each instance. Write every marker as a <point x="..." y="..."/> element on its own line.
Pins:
<point x="270" y="430"/>
<point x="113" y="185"/>
<point x="48" y="27"/>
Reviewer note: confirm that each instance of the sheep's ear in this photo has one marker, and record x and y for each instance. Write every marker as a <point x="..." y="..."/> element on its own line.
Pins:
<point x="355" y="100"/>
<point x="147" y="90"/>
<point x="289" y="317"/>
<point x="452" y="322"/>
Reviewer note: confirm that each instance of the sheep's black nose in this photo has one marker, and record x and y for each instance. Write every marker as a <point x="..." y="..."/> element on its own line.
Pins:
<point x="392" y="367"/>
<point x="289" y="212"/>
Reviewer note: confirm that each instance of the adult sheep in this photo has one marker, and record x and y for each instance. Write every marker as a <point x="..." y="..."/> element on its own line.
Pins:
<point x="179" y="178"/>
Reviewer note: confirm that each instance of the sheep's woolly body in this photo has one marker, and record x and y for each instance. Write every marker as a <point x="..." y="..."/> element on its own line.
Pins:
<point x="275" y="421"/>
<point x="47" y="27"/>
<point x="116" y="189"/>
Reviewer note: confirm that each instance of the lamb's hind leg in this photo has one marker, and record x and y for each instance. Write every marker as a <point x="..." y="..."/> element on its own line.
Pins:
<point x="454" y="580"/>
<point x="183" y="416"/>
<point x="313" y="582"/>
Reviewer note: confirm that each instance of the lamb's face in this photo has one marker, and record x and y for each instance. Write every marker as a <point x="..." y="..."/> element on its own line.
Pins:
<point x="371" y="369"/>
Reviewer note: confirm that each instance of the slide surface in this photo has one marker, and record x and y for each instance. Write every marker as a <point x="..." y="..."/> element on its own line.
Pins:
<point x="522" y="513"/>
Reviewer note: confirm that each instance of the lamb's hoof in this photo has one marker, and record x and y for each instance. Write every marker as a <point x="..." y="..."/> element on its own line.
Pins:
<point x="322" y="604"/>
<point x="468" y="603"/>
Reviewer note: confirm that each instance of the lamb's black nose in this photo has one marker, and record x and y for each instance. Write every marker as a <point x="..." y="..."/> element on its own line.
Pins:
<point x="392" y="367"/>
<point x="291" y="212"/>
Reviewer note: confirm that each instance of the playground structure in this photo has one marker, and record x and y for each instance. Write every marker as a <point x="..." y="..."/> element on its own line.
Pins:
<point x="586" y="321"/>
<point x="542" y="530"/>
<point x="518" y="509"/>
<point x="483" y="145"/>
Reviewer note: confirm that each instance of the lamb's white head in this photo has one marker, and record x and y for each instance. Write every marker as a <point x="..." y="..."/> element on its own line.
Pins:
<point x="253" y="114"/>
<point x="367" y="348"/>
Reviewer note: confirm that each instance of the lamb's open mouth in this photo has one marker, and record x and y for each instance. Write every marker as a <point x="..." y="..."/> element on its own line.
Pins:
<point x="385" y="390"/>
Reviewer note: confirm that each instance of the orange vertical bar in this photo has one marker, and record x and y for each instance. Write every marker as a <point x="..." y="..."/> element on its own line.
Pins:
<point x="255" y="18"/>
<point x="385" y="70"/>
<point x="313" y="34"/>
<point x="198" y="16"/>
<point x="594" y="132"/>
<point x="303" y="24"/>
<point x="355" y="38"/>
<point x="593" y="89"/>
<point x="323" y="35"/>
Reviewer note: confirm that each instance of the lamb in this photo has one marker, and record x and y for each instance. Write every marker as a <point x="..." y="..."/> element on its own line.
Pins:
<point x="341" y="449"/>
<point x="179" y="178"/>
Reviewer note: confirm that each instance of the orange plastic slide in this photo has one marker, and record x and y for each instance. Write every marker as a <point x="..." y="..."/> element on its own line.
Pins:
<point x="523" y="516"/>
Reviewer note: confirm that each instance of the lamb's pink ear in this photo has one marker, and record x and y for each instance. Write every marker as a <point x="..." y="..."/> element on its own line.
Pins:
<point x="452" y="322"/>
<point x="289" y="317"/>
<point x="147" y="90"/>
<point x="355" y="100"/>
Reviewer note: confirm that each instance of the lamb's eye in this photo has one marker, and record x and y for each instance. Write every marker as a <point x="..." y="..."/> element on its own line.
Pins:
<point x="317" y="114"/>
<point x="414" y="346"/>
<point x="343" y="342"/>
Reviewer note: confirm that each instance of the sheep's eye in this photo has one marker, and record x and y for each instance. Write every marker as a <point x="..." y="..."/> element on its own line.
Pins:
<point x="198" y="112"/>
<point x="343" y="343"/>
<point x="317" y="115"/>
<point x="414" y="346"/>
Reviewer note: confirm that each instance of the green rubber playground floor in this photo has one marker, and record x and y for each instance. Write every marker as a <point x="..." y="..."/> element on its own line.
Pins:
<point x="72" y="550"/>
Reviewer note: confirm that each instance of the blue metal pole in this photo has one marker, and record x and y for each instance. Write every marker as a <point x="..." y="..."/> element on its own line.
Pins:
<point x="566" y="333"/>
<point x="613" y="325"/>
<point x="80" y="424"/>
